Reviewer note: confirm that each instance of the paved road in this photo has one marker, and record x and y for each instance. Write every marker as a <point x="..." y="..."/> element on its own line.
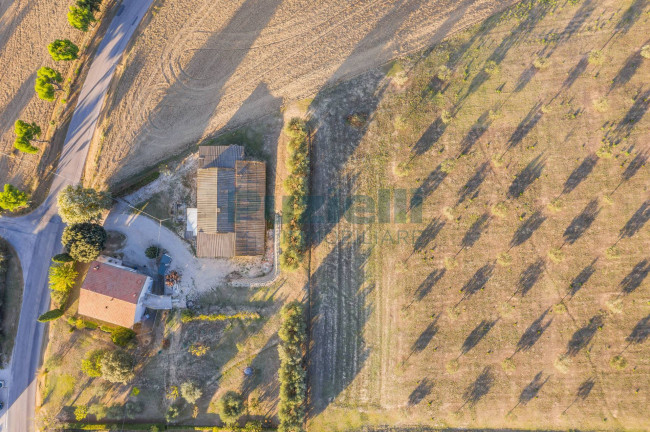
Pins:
<point x="36" y="236"/>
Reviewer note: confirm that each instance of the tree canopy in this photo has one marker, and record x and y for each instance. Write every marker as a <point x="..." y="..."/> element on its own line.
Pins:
<point x="80" y="17"/>
<point x="62" y="278"/>
<point x="26" y="132"/>
<point x="46" y="80"/>
<point x="117" y="366"/>
<point x="79" y="205"/>
<point x="63" y="50"/>
<point x="231" y="406"/>
<point x="191" y="392"/>
<point x="12" y="198"/>
<point x="84" y="241"/>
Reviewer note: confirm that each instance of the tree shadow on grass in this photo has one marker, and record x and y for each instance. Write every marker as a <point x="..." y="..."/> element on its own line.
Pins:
<point x="580" y="173"/>
<point x="631" y="118"/>
<point x="526" y="230"/>
<point x="583" y="336"/>
<point x="429" y="138"/>
<point x="637" y="221"/>
<point x="526" y="177"/>
<point x="583" y="392"/>
<point x="475" y="231"/>
<point x="476" y="335"/>
<point x="635" y="278"/>
<point x="630" y="16"/>
<point x="477" y="282"/>
<point x="479" y="388"/>
<point x="425" y="337"/>
<point x="425" y="287"/>
<point x="428" y="235"/>
<point x="471" y="188"/>
<point x="529" y="277"/>
<point x="573" y="76"/>
<point x="633" y="167"/>
<point x="581" y="223"/>
<point x="640" y="332"/>
<point x="578" y="282"/>
<point x="428" y="186"/>
<point x="474" y="134"/>
<point x="525" y="126"/>
<point x="628" y="70"/>
<point x="531" y="391"/>
<point x="533" y="333"/>
<point x="420" y="392"/>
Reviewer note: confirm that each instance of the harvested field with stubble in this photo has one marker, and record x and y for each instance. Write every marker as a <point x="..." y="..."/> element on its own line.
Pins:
<point x="198" y="68"/>
<point x="26" y="28"/>
<point x="519" y="299"/>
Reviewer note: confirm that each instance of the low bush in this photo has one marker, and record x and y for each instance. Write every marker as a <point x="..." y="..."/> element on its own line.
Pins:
<point x="188" y="316"/>
<point x="231" y="406"/>
<point x="152" y="252"/>
<point x="62" y="258"/>
<point x="91" y="365"/>
<point x="121" y="336"/>
<point x="292" y="374"/>
<point x="50" y="315"/>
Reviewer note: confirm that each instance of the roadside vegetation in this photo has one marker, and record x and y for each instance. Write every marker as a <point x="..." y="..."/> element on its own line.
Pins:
<point x="13" y="199"/>
<point x="296" y="186"/>
<point x="11" y="295"/>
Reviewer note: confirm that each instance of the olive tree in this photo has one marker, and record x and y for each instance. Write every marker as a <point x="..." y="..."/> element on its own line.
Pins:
<point x="84" y="241"/>
<point x="25" y="133"/>
<point x="12" y="199"/>
<point x="191" y="392"/>
<point x="117" y="366"/>
<point x="48" y="81"/>
<point x="79" y="205"/>
<point x="63" y="50"/>
<point x="231" y="406"/>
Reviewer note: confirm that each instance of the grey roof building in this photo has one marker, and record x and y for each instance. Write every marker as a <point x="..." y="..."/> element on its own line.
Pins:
<point x="230" y="203"/>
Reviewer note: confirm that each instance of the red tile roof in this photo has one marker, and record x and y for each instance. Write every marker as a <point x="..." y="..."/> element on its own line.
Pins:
<point x="110" y="294"/>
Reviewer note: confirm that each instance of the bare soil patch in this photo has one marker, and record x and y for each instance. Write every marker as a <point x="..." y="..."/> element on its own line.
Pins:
<point x="199" y="68"/>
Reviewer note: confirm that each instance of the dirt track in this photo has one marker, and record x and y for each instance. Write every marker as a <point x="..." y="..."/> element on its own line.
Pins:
<point x="199" y="66"/>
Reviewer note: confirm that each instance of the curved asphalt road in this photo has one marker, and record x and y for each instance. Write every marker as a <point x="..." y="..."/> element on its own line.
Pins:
<point x="36" y="236"/>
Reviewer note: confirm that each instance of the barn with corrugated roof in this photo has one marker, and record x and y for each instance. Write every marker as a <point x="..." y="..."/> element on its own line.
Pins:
<point x="230" y="204"/>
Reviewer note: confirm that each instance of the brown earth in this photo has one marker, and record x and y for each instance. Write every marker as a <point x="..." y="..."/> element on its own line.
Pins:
<point x="26" y="28"/>
<point x="469" y="317"/>
<point x="200" y="67"/>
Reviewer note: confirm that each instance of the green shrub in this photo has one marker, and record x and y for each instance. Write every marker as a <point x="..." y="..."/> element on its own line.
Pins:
<point x="91" y="365"/>
<point x="191" y="392"/>
<point x="292" y="375"/>
<point x="62" y="258"/>
<point x="121" y="336"/>
<point x="152" y="252"/>
<point x="296" y="186"/>
<point x="188" y="316"/>
<point x="231" y="406"/>
<point x="50" y="315"/>
<point x="80" y="412"/>
<point x="117" y="366"/>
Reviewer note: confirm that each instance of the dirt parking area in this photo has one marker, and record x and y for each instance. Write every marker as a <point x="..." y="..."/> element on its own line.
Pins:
<point x="201" y="67"/>
<point x="492" y="270"/>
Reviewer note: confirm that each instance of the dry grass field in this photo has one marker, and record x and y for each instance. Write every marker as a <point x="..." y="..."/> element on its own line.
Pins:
<point x="507" y="285"/>
<point x="165" y="361"/>
<point x="26" y="27"/>
<point x="199" y="67"/>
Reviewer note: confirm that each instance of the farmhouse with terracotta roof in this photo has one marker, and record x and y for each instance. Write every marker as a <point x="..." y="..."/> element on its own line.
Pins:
<point x="113" y="293"/>
<point x="229" y="219"/>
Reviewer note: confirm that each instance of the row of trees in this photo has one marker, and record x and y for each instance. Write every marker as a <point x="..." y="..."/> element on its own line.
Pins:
<point x="83" y="240"/>
<point x="292" y="375"/>
<point x="297" y="187"/>
<point x="49" y="80"/>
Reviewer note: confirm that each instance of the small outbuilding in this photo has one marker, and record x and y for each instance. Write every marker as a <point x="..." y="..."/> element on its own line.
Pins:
<point x="229" y="218"/>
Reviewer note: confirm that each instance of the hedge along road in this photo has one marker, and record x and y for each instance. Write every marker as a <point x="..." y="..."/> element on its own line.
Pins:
<point x="36" y="236"/>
